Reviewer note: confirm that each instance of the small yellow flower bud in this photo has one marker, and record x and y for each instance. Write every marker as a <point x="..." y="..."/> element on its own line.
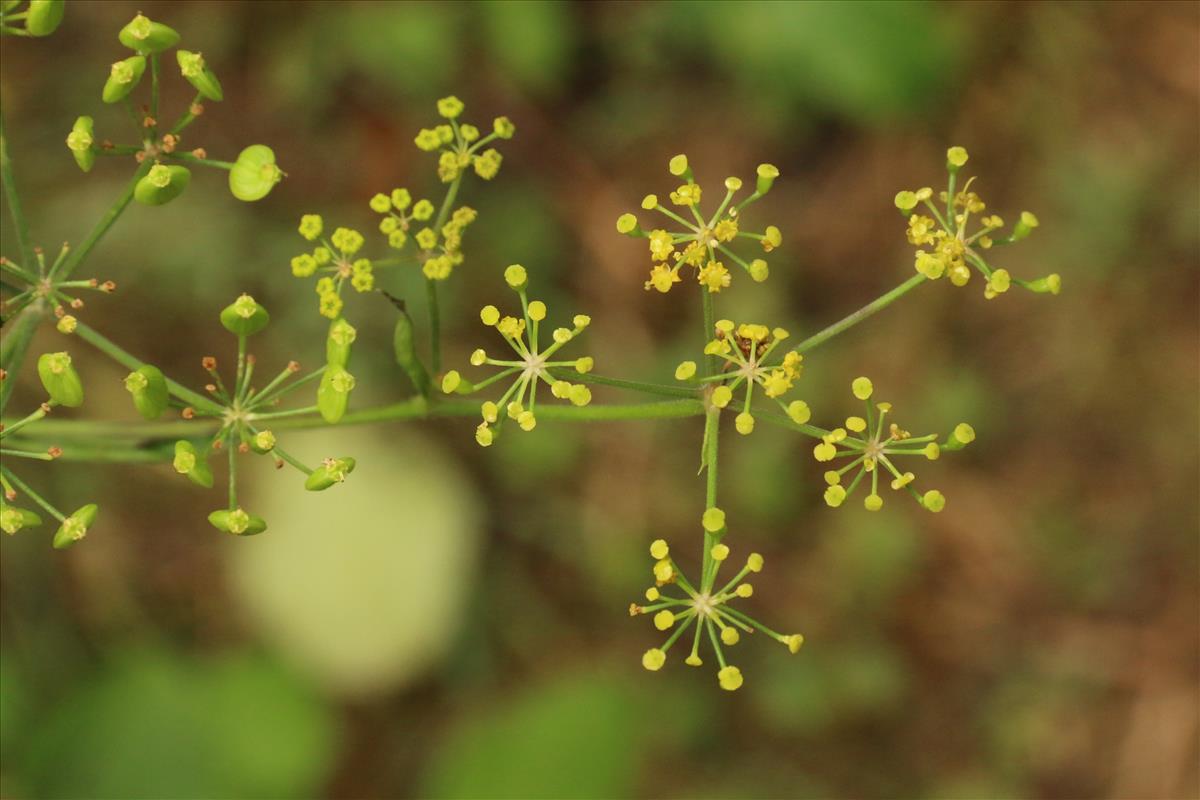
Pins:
<point x="824" y="452"/>
<point x="793" y="642"/>
<point x="678" y="165"/>
<point x="527" y="420"/>
<point x="562" y="335"/>
<point x="862" y="388"/>
<point x="653" y="659"/>
<point x="856" y="424"/>
<point x="744" y="590"/>
<point x="772" y="238"/>
<point x="693" y="660"/>
<point x="537" y="311"/>
<point x="659" y="549"/>
<point x="754" y="563"/>
<point x="906" y="201"/>
<point x="730" y="678"/>
<point x="489" y="315"/>
<point x="744" y="423"/>
<point x="873" y="502"/>
<point x="664" y="620"/>
<point x="515" y="276"/>
<point x="581" y="320"/>
<point x="964" y="433"/>
<point x="663" y="571"/>
<point x="713" y="519"/>
<point x="650" y="202"/>
<point x="720" y="552"/>
<point x="833" y="477"/>
<point x="490" y="411"/>
<point x="627" y="224"/>
<point x="721" y="396"/>
<point x="584" y="365"/>
<point x="730" y="636"/>
<point x="652" y="594"/>
<point x="451" y="381"/>
<point x="933" y="500"/>
<point x="835" y="495"/>
<point x="799" y="412"/>
<point x="478" y="357"/>
<point x="955" y="158"/>
<point x="685" y="370"/>
<point x="733" y="184"/>
<point x="67" y="324"/>
<point x="759" y="270"/>
<point x="580" y="395"/>
<point x="767" y="173"/>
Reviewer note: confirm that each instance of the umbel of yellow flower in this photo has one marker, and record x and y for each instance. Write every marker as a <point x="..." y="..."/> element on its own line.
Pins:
<point x="870" y="446"/>
<point x="704" y="243"/>
<point x="705" y="607"/>
<point x="532" y="365"/>
<point x="460" y="146"/>
<point x="334" y="258"/>
<point x="947" y="246"/>
<point x="750" y="356"/>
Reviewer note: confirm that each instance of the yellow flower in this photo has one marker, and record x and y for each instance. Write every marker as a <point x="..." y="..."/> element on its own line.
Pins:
<point x="714" y="276"/>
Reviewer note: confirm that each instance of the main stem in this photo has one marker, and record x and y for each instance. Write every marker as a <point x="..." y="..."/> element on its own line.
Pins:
<point x="14" y="201"/>
<point x="712" y="428"/>
<point x="76" y="256"/>
<point x="435" y="322"/>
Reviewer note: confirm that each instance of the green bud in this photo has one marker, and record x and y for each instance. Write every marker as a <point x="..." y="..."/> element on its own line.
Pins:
<point x="333" y="395"/>
<point x="13" y="519"/>
<point x="337" y="344"/>
<point x="767" y="173"/>
<point x="193" y="464"/>
<point x="262" y="442"/>
<point x="80" y="141"/>
<point x="123" y="79"/>
<point x="244" y="316"/>
<point x="254" y="174"/>
<point x="44" y="16"/>
<point x="149" y="390"/>
<point x="75" y="527"/>
<point x="628" y="225"/>
<point x="162" y="184"/>
<point x="199" y="75"/>
<point x="144" y="36"/>
<point x="60" y="379"/>
<point x="333" y="470"/>
<point x="1050" y="284"/>
<point x="1025" y="225"/>
<point x="406" y="353"/>
<point x="237" y="522"/>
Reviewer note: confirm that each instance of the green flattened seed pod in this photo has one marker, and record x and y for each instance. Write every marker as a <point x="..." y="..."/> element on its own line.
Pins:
<point x="333" y="395"/>
<point x="334" y="470"/>
<point x="149" y="389"/>
<point x="244" y="316"/>
<point x="145" y="36"/>
<point x="337" y="345"/>
<point x="406" y="354"/>
<point x="60" y="379"/>
<point x="13" y="519"/>
<point x="162" y="184"/>
<point x="193" y="464"/>
<point x="81" y="140"/>
<point x="123" y="79"/>
<point x="75" y="527"/>
<point x="254" y="174"/>
<point x="44" y="16"/>
<point x="237" y="522"/>
<point x="199" y="75"/>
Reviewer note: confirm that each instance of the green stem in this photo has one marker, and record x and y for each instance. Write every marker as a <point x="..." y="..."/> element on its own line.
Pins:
<point x="637" y="386"/>
<point x="712" y="429"/>
<point x="710" y="361"/>
<point x="76" y="257"/>
<point x="114" y="351"/>
<point x="850" y="321"/>
<point x="14" y="201"/>
<point x="154" y="90"/>
<point x="435" y="326"/>
<point x="16" y="345"/>
<point x="34" y="496"/>
<point x="188" y="158"/>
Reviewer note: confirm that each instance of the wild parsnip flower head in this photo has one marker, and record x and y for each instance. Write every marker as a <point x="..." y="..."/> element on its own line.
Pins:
<point x="870" y="445"/>
<point x="707" y="608"/>
<point x="946" y="244"/>
<point x="336" y="259"/>
<point x="439" y="250"/>
<point x="751" y="357"/>
<point x="703" y="243"/>
<point x="533" y="363"/>
<point x="460" y="145"/>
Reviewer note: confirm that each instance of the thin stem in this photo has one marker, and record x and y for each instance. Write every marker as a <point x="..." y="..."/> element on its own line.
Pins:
<point x="637" y="386"/>
<point x="712" y="428"/>
<point x="76" y="257"/>
<point x="188" y="158"/>
<point x="114" y="351"/>
<point x="34" y="496"/>
<point x="858" y="316"/>
<point x="20" y="225"/>
<point x="435" y="325"/>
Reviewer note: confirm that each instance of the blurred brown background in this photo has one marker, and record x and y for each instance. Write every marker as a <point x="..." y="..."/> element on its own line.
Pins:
<point x="452" y="621"/>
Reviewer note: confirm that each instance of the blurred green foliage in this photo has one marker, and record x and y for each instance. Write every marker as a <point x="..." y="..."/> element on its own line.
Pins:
<point x="452" y="622"/>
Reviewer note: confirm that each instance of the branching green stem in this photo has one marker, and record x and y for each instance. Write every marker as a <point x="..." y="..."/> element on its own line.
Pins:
<point x="870" y="308"/>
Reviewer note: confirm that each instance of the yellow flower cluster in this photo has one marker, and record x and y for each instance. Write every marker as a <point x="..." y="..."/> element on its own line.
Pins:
<point x="439" y="249"/>
<point x="532" y="365"/>
<point x="705" y="607"/>
<point x="946" y="246"/>
<point x="703" y="242"/>
<point x="748" y="351"/>
<point x="459" y="145"/>
<point x="871" y="445"/>
<point x="333" y="257"/>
